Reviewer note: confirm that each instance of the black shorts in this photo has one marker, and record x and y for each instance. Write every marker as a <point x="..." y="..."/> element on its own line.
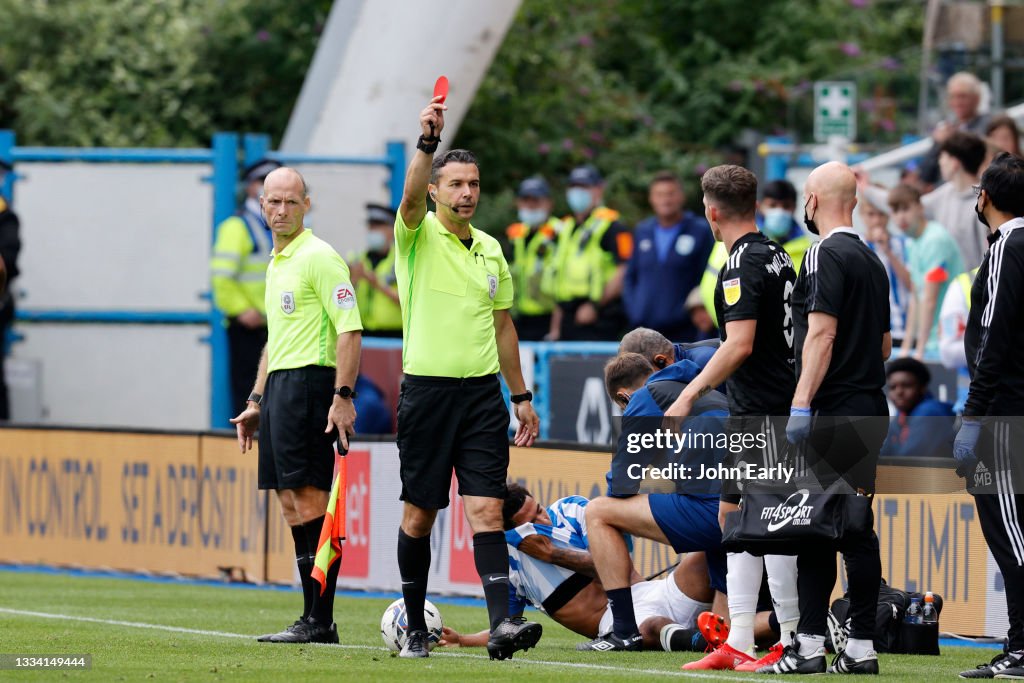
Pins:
<point x="776" y="449"/>
<point x="445" y="424"/>
<point x="294" y="451"/>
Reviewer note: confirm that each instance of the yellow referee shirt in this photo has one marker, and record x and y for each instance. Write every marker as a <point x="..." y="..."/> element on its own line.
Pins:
<point x="310" y="301"/>
<point x="449" y="294"/>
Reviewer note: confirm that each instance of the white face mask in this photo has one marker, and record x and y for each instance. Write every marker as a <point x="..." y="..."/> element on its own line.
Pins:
<point x="533" y="217"/>
<point x="579" y="199"/>
<point x="376" y="241"/>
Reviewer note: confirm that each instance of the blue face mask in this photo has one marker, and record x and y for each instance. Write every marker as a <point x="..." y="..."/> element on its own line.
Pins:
<point x="376" y="241"/>
<point x="777" y="223"/>
<point x="579" y="199"/>
<point x="533" y="217"/>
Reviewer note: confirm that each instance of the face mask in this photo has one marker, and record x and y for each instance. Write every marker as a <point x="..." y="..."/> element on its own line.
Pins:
<point x="533" y="217"/>
<point x="811" y="225"/>
<point x="376" y="241"/>
<point x="981" y="214"/>
<point x="777" y="222"/>
<point x="579" y="199"/>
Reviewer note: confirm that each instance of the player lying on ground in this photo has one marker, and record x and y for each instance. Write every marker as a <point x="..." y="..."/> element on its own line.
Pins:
<point x="550" y="567"/>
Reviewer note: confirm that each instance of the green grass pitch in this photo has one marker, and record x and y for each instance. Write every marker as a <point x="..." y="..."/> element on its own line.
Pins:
<point x="153" y="631"/>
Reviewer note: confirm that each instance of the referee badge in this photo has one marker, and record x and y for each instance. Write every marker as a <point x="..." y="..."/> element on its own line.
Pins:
<point x="288" y="302"/>
<point x="492" y="285"/>
<point x="732" y="290"/>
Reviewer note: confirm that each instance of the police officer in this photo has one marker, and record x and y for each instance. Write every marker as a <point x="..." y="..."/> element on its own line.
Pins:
<point x="842" y="338"/>
<point x="456" y="290"/>
<point x="373" y="274"/>
<point x="306" y="374"/>
<point x="593" y="248"/>
<point x="10" y="245"/>
<point x="532" y="241"/>
<point x="990" y="460"/>
<point x="238" y="269"/>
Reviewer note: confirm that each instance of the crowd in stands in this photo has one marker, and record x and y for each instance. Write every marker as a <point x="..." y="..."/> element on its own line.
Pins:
<point x="588" y="276"/>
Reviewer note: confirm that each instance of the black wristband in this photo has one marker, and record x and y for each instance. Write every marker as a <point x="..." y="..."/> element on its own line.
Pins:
<point x="428" y="145"/>
<point x="519" y="398"/>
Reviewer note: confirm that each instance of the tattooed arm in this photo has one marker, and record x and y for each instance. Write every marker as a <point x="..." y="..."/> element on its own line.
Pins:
<point x="737" y="347"/>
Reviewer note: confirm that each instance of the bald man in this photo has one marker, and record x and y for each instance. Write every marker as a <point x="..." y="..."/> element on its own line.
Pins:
<point x="841" y="324"/>
<point x="302" y="398"/>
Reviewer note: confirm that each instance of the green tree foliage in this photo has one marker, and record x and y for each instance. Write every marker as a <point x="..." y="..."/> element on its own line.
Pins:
<point x="167" y="73"/>
<point x="635" y="86"/>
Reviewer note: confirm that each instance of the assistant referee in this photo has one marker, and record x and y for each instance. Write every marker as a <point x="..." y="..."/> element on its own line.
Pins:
<point x="456" y="292"/>
<point x="302" y="398"/>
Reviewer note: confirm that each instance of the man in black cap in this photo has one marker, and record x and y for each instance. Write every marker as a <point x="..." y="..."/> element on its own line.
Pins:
<point x="10" y="244"/>
<point x="590" y="264"/>
<point x="373" y="274"/>
<point x="531" y="256"/>
<point x="238" y="273"/>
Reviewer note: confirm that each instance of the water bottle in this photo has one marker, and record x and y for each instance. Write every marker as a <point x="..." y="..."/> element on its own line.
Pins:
<point x="913" y="615"/>
<point x="928" y="613"/>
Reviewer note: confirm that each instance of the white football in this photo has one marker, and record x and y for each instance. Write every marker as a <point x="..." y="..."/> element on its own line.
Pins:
<point x="394" y="625"/>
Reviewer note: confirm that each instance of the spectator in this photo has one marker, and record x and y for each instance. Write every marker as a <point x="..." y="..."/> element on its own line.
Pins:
<point x="919" y="427"/>
<point x="956" y="307"/>
<point x="672" y="247"/>
<point x="10" y="245"/>
<point x="952" y="204"/>
<point x="238" y="267"/>
<point x="373" y="274"/>
<point x="593" y="248"/>
<point x="892" y="252"/>
<point x="531" y="259"/>
<point x="1003" y="133"/>
<point x="702" y="320"/>
<point x="933" y="260"/>
<point x="775" y="220"/>
<point x="963" y="97"/>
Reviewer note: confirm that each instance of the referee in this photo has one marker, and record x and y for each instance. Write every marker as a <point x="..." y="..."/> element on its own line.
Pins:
<point x="456" y="292"/>
<point x="993" y="341"/>
<point x="753" y="304"/>
<point x="842" y="338"/>
<point x="302" y="399"/>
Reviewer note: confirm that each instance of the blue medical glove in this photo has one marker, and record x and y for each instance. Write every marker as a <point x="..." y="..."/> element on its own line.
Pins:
<point x="799" y="426"/>
<point x="964" y="445"/>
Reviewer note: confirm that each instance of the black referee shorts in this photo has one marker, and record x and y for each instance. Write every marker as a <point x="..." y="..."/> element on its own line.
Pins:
<point x="444" y="424"/>
<point x="294" y="451"/>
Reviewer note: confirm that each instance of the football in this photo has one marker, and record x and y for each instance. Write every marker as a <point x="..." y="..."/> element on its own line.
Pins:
<point x="394" y="624"/>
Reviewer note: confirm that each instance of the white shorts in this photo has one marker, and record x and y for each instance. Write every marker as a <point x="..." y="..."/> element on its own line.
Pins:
<point x="659" y="598"/>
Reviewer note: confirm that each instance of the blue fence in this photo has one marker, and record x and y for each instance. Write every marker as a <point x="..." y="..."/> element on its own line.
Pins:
<point x="228" y="153"/>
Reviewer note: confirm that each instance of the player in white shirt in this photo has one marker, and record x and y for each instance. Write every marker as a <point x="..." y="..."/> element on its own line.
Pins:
<point x="551" y="568"/>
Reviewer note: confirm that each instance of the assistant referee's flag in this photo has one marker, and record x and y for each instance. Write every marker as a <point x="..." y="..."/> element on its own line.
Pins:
<point x="328" y="550"/>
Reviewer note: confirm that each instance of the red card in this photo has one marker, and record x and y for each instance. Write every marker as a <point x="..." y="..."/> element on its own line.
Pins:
<point x="441" y="88"/>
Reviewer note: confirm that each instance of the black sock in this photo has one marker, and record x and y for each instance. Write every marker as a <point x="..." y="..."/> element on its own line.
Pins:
<point x="623" y="618"/>
<point x="305" y="566"/>
<point x="322" y="610"/>
<point x="688" y="640"/>
<point x="414" y="566"/>
<point x="491" y="556"/>
<point x="773" y="624"/>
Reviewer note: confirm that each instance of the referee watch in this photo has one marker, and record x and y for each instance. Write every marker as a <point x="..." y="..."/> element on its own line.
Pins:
<point x="255" y="398"/>
<point x="345" y="392"/>
<point x="519" y="398"/>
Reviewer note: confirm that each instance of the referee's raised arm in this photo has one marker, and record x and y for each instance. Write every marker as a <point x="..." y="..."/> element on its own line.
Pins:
<point x="414" y="195"/>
